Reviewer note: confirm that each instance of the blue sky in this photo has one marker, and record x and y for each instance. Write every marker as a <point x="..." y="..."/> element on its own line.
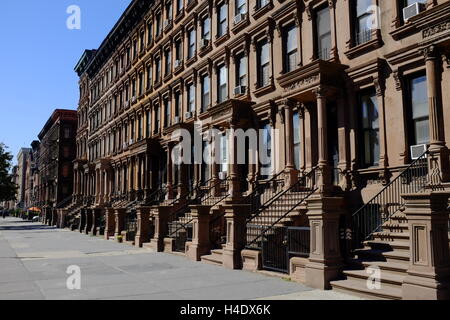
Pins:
<point x="37" y="57"/>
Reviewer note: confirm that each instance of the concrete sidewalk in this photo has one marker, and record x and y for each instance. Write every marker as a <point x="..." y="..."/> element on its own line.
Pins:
<point x="34" y="260"/>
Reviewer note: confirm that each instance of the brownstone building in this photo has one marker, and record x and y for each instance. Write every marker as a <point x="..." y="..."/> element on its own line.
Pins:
<point x="51" y="174"/>
<point x="349" y="99"/>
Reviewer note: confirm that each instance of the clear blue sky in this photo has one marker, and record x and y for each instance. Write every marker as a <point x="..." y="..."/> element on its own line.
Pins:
<point x="37" y="57"/>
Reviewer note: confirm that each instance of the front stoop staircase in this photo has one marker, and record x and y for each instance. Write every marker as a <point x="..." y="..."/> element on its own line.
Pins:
<point x="380" y="226"/>
<point x="389" y="253"/>
<point x="272" y="206"/>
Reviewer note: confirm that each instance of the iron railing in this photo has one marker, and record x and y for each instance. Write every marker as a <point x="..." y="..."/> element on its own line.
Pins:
<point x="279" y="209"/>
<point x="263" y="193"/>
<point x="372" y="215"/>
<point x="363" y="36"/>
<point x="157" y="196"/>
<point x="131" y="225"/>
<point x="64" y="202"/>
<point x="299" y="241"/>
<point x="208" y="196"/>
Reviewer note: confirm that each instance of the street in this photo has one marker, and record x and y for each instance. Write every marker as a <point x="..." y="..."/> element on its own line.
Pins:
<point x="34" y="260"/>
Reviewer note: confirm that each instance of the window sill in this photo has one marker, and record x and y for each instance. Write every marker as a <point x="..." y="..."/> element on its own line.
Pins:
<point x="259" y="12"/>
<point x="168" y="77"/>
<point x="222" y="39"/>
<point x="264" y="90"/>
<point x="365" y="47"/>
<point x="192" y="59"/>
<point x="204" y="50"/>
<point x="179" y="68"/>
<point x="191" y="5"/>
<point x="179" y="16"/>
<point x="241" y="25"/>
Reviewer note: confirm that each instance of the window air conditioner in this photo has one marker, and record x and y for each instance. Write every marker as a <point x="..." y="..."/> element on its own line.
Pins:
<point x="240" y="17"/>
<point x="413" y="10"/>
<point x="188" y="115"/>
<point x="417" y="151"/>
<point x="239" y="90"/>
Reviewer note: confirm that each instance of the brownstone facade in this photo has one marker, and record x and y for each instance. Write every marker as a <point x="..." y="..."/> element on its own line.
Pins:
<point x="351" y="104"/>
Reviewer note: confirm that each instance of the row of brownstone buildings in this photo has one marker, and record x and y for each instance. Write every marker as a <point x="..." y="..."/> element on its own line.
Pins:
<point x="44" y="172"/>
<point x="351" y="104"/>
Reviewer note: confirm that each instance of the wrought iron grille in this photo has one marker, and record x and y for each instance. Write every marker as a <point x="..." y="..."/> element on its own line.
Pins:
<point x="372" y="215"/>
<point x="131" y="225"/>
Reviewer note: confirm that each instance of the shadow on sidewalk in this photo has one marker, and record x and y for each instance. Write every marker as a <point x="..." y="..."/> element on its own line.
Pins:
<point x="25" y="227"/>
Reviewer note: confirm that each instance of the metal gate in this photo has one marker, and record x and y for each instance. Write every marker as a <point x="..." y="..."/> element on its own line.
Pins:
<point x="280" y="244"/>
<point x="181" y="233"/>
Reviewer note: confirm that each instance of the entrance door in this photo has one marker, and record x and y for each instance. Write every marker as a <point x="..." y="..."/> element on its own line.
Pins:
<point x="275" y="249"/>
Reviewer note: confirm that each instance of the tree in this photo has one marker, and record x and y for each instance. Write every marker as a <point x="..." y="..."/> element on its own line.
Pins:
<point x="8" y="188"/>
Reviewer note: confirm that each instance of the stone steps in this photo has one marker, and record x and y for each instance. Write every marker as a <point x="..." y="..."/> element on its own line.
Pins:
<point x="215" y="258"/>
<point x="358" y="288"/>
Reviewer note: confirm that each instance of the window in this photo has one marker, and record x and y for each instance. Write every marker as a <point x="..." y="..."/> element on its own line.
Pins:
<point x="135" y="48"/>
<point x="158" y="69"/>
<point x="206" y="159"/>
<point x="169" y="11"/>
<point x="266" y="153"/>
<point x="149" y="32"/>
<point x="148" y="123"/>
<point x="141" y="84"/>
<point x="140" y="127"/>
<point x="149" y="77"/>
<point x="418" y="101"/>
<point x="158" y="24"/>
<point x="179" y="6"/>
<point x="323" y="34"/>
<point x="166" y="112"/>
<point x="191" y="97"/>
<point x="222" y="20"/>
<point x="263" y="63"/>
<point x="205" y="92"/>
<point x="206" y="28"/>
<point x="369" y="124"/>
<point x="362" y="22"/>
<point x="142" y="40"/>
<point x="241" y="7"/>
<point x="290" y="48"/>
<point x="297" y="139"/>
<point x="222" y="89"/>
<point x="261" y="3"/>
<point x="133" y="88"/>
<point x="177" y="103"/>
<point x="168" y="58"/>
<point x="241" y="71"/>
<point x="66" y="133"/>
<point x="157" y="118"/>
<point x="223" y="153"/>
<point x="178" y="50"/>
<point x="191" y="41"/>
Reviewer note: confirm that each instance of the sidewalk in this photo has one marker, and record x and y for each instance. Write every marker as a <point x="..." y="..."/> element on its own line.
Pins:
<point x="34" y="260"/>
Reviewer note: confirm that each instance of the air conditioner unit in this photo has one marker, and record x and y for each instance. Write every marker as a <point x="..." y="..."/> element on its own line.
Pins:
<point x="133" y="100"/>
<point x="131" y="141"/>
<point x="240" y="90"/>
<point x="176" y="120"/>
<point x="177" y="63"/>
<point x="188" y="115"/>
<point x="417" y="151"/>
<point x="166" y="23"/>
<point x="240" y="17"/>
<point x="204" y="43"/>
<point x="222" y="175"/>
<point x="125" y="145"/>
<point x="127" y="103"/>
<point x="413" y="10"/>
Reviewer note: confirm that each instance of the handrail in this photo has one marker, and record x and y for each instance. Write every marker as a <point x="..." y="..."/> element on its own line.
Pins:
<point x="368" y="218"/>
<point x="63" y="202"/>
<point x="201" y="199"/>
<point x="309" y="190"/>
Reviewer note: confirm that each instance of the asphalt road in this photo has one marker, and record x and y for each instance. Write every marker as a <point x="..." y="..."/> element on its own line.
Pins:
<point x="34" y="260"/>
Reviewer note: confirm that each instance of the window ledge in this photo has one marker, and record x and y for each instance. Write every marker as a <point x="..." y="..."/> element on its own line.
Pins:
<point x="259" y="12"/>
<point x="264" y="90"/>
<point x="192" y="59"/>
<point x="365" y="47"/>
<point x="179" y="16"/>
<point x="222" y="38"/>
<point x="204" y="50"/>
<point x="241" y="25"/>
<point x="167" y="77"/>
<point x="191" y="5"/>
<point x="179" y="68"/>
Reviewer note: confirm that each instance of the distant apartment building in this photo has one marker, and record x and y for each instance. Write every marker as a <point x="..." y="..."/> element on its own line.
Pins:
<point x="22" y="169"/>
